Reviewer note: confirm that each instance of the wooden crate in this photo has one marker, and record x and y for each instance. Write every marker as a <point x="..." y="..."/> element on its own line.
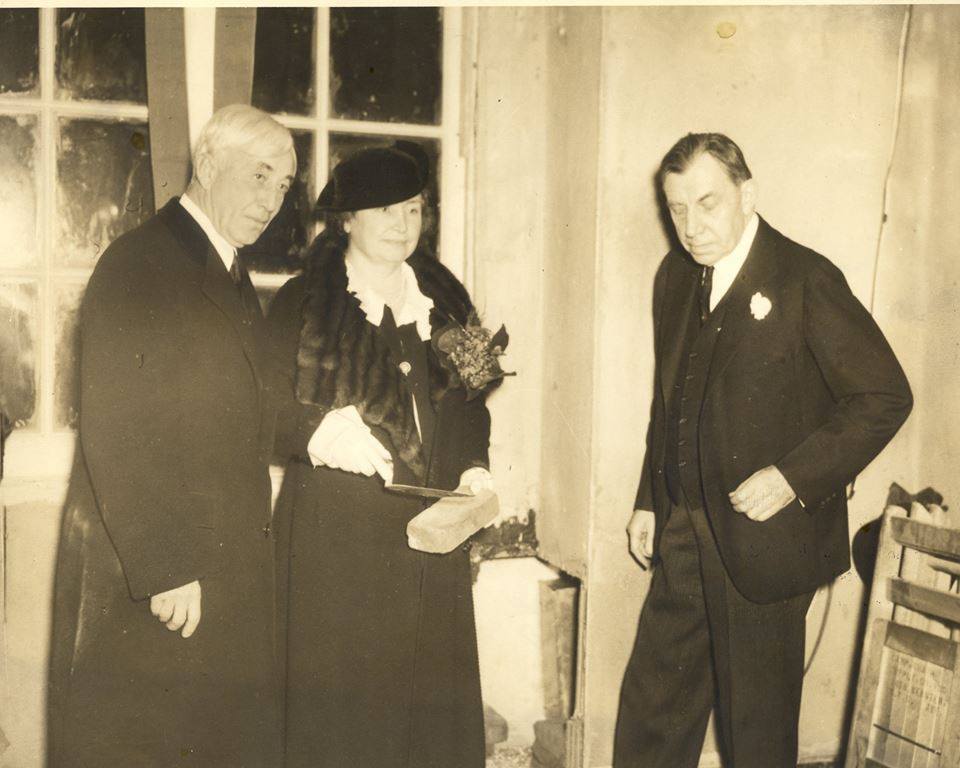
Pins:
<point x="908" y="696"/>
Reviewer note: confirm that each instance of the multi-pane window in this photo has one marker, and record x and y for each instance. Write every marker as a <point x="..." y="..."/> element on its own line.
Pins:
<point x="342" y="79"/>
<point x="74" y="174"/>
<point x="75" y="161"/>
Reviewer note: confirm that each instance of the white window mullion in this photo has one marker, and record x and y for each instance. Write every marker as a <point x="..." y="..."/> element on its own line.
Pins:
<point x="322" y="72"/>
<point x="199" y="29"/>
<point x="46" y="211"/>
<point x="390" y="129"/>
<point x="96" y="109"/>
<point x="452" y="163"/>
<point x="15" y="105"/>
<point x="296" y="122"/>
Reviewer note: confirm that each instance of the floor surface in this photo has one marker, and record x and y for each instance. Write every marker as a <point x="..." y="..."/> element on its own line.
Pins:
<point x="519" y="757"/>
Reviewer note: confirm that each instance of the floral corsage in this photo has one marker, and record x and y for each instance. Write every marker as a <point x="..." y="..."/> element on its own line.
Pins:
<point x="471" y="353"/>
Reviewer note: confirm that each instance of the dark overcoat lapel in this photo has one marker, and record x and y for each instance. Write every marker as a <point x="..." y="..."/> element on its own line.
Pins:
<point x="216" y="283"/>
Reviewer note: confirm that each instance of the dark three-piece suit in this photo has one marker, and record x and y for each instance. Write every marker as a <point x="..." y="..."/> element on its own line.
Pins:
<point x="788" y="370"/>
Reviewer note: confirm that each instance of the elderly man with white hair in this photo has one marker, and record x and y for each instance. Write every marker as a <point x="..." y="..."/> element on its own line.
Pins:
<point x="163" y="644"/>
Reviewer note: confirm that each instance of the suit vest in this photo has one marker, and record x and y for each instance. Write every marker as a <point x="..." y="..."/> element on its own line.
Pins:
<point x="682" y="459"/>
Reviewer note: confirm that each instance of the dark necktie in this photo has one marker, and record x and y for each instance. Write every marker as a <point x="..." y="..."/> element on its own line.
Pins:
<point x="706" y="286"/>
<point x="235" y="271"/>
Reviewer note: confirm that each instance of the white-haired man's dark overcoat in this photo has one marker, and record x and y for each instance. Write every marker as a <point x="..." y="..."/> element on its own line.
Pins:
<point x="170" y="485"/>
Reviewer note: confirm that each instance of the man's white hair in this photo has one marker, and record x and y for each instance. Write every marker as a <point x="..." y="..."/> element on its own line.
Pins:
<point x="239" y="126"/>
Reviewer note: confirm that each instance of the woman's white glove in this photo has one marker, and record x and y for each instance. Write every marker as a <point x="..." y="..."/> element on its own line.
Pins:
<point x="476" y="479"/>
<point x="343" y="441"/>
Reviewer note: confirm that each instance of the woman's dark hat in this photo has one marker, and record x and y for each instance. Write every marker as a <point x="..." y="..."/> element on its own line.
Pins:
<point x="375" y="177"/>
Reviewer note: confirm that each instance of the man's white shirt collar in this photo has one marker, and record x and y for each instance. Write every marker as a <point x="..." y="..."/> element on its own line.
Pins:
<point x="226" y="251"/>
<point x="726" y="270"/>
<point x="416" y="307"/>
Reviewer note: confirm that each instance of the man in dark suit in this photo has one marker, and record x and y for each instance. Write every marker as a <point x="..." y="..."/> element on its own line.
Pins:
<point x="163" y="647"/>
<point x="773" y="389"/>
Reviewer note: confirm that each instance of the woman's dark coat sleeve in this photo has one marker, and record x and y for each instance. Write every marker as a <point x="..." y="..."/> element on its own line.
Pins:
<point x="476" y="435"/>
<point x="296" y="421"/>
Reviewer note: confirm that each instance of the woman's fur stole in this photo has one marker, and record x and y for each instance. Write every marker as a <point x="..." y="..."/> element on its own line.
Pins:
<point x="344" y="360"/>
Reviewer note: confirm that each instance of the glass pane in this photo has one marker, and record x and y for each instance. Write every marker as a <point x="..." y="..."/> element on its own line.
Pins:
<point x="19" y="50"/>
<point x="343" y="145"/>
<point x="104" y="185"/>
<point x="19" y="311"/>
<point x="280" y="246"/>
<point x="284" y="66"/>
<point x="66" y="394"/>
<point x="385" y="64"/>
<point x="101" y="54"/>
<point x="18" y="189"/>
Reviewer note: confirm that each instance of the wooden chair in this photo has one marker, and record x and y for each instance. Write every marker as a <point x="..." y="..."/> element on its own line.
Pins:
<point x="908" y="695"/>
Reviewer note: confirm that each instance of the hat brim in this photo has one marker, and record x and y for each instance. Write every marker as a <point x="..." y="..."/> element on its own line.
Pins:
<point x="375" y="177"/>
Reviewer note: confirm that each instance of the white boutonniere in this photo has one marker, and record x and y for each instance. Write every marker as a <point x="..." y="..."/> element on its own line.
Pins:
<point x="760" y="306"/>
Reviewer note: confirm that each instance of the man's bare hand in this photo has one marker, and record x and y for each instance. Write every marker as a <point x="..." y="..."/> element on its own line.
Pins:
<point x="763" y="494"/>
<point x="640" y="532"/>
<point x="178" y="608"/>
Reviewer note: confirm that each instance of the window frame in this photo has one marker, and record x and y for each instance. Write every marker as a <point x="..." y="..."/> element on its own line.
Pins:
<point x="46" y="450"/>
<point x="452" y="219"/>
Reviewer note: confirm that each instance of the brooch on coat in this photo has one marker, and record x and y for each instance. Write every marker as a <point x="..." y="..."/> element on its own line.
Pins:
<point x="471" y="353"/>
<point x="760" y="306"/>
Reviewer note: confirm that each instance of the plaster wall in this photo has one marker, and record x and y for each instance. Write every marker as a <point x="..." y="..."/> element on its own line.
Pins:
<point x="919" y="273"/>
<point x="506" y="215"/>
<point x="506" y="210"/>
<point x="809" y="93"/>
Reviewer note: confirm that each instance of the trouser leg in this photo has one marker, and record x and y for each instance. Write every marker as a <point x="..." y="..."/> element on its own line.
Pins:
<point x="668" y="686"/>
<point x="758" y="653"/>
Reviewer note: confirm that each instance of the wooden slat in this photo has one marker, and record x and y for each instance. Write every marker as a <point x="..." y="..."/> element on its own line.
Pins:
<point x="932" y="539"/>
<point x="881" y="610"/>
<point x="912" y="569"/>
<point x="931" y="660"/>
<point x="866" y="694"/>
<point x="951" y="732"/>
<point x="936" y="699"/>
<point x="922" y="645"/>
<point x="896" y="751"/>
<point x="889" y="557"/>
<point x="944" y="566"/>
<point x="921" y="670"/>
<point x="930" y="601"/>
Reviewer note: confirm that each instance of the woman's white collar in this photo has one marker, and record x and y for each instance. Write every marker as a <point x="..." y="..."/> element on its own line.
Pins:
<point x="416" y="307"/>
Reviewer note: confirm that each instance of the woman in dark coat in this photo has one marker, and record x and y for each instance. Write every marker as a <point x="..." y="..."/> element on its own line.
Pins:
<point x="382" y="668"/>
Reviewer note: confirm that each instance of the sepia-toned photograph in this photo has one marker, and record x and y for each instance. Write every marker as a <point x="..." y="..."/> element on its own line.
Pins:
<point x="494" y="386"/>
